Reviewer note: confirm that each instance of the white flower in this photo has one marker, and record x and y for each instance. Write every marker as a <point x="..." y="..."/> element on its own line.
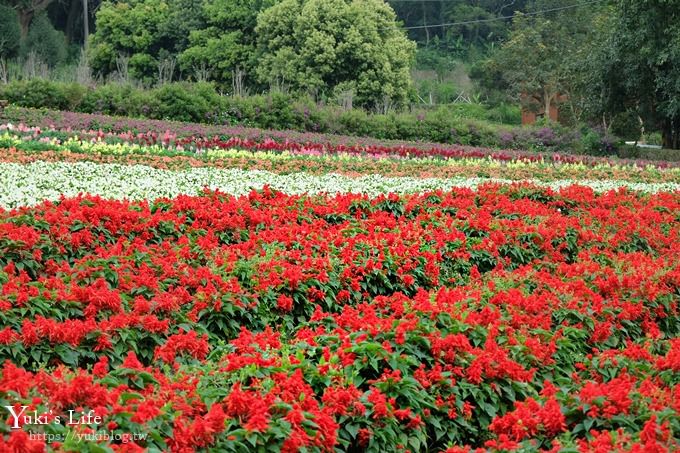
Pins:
<point x="30" y="184"/>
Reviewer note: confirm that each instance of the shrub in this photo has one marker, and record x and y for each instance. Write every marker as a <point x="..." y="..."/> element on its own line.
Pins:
<point x="596" y="143"/>
<point x="635" y="152"/>
<point x="441" y="92"/>
<point x="313" y="118"/>
<point x="43" y="94"/>
<point x="279" y="114"/>
<point x="629" y="152"/>
<point x="505" y="114"/>
<point x="177" y="101"/>
<point x="483" y="134"/>
<point x="142" y="68"/>
<point x="355" y="122"/>
<point x="437" y="126"/>
<point x="120" y="99"/>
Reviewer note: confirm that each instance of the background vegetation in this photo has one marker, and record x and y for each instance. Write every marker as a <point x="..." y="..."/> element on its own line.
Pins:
<point x="610" y="66"/>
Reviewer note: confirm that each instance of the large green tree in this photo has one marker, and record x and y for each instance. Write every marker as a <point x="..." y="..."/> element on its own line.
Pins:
<point x="324" y="46"/>
<point x="541" y="62"/>
<point x="225" y="48"/>
<point x="142" y="33"/>
<point x="640" y="70"/>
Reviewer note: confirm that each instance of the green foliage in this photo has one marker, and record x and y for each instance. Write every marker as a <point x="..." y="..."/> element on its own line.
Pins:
<point x="639" y="66"/>
<point x="597" y="144"/>
<point x="119" y="99"/>
<point x="440" y="62"/>
<point x="174" y="101"/>
<point x="227" y="43"/>
<point x="627" y="126"/>
<point x="184" y="17"/>
<point x="184" y="103"/>
<point x="10" y="32"/>
<point x="541" y="63"/>
<point x="332" y="47"/>
<point x="531" y="57"/>
<point x="467" y="41"/>
<point x="39" y="92"/>
<point x="504" y="113"/>
<point x="478" y="34"/>
<point x="48" y="43"/>
<point x="437" y="92"/>
<point x="135" y="36"/>
<point x="199" y="102"/>
<point x="634" y="152"/>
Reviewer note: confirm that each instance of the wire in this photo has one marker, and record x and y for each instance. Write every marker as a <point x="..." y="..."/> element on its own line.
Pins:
<point x="480" y="21"/>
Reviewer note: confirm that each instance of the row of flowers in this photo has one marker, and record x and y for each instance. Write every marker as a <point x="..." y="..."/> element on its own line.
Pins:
<point x="33" y="182"/>
<point x="506" y="317"/>
<point x="20" y="150"/>
<point x="163" y="140"/>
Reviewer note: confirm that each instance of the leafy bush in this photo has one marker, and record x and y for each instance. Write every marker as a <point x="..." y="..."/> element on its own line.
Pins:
<point x="635" y="152"/>
<point x="356" y="120"/>
<point x="596" y="143"/>
<point x="119" y="99"/>
<point x="654" y="138"/>
<point x="504" y="113"/>
<point x="436" y="91"/>
<point x="43" y="93"/>
<point x="178" y="102"/>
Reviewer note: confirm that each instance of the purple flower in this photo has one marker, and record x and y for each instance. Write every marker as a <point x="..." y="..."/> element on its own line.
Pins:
<point x="506" y="138"/>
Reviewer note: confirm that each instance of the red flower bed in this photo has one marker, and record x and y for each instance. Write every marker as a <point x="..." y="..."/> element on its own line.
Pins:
<point x="503" y="318"/>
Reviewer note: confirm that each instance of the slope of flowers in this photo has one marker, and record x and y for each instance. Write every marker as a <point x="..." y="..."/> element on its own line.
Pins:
<point x="196" y="139"/>
<point x="287" y="163"/>
<point x="509" y="317"/>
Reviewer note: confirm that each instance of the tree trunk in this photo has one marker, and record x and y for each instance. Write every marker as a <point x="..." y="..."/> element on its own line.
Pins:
<point x="73" y="13"/>
<point x="26" y="15"/>
<point x="547" y="99"/>
<point x="670" y="134"/>
<point x="86" y="24"/>
<point x="25" y="18"/>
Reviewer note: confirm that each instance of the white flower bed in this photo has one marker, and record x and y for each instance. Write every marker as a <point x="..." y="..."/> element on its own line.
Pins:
<point x="29" y="184"/>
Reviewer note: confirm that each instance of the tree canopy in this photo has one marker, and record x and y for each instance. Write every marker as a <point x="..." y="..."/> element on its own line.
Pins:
<point x="139" y="36"/>
<point x="224" y="48"/>
<point x="336" y="46"/>
<point x="10" y="32"/>
<point x="543" y="61"/>
<point x="642" y="64"/>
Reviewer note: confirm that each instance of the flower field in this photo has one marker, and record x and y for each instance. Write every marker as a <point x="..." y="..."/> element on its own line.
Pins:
<point x="191" y="294"/>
